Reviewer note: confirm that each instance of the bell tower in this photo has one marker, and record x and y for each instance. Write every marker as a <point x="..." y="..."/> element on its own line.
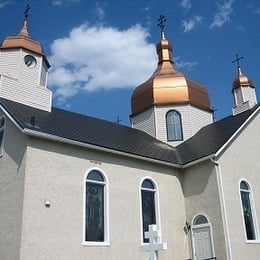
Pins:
<point x="243" y="91"/>
<point x="24" y="69"/>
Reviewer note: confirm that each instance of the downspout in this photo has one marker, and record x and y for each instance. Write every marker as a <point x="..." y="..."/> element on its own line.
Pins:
<point x="223" y="204"/>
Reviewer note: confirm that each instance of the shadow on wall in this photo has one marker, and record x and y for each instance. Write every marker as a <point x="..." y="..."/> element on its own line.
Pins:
<point x="196" y="179"/>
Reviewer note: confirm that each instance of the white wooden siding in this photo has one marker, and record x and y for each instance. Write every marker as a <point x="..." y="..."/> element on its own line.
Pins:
<point x="153" y="121"/>
<point x="43" y="76"/>
<point x="145" y="121"/>
<point x="21" y="83"/>
<point x="245" y="98"/>
<point x="9" y="62"/>
<point x="193" y="119"/>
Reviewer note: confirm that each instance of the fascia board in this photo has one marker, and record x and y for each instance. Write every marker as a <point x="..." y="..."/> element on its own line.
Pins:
<point x="237" y="132"/>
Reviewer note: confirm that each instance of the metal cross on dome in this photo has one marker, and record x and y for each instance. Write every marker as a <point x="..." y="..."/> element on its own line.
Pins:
<point x="161" y="23"/>
<point x="237" y="60"/>
<point x="26" y="12"/>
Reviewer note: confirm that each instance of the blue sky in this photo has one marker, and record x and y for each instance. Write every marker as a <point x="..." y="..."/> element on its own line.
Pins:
<point x="100" y="51"/>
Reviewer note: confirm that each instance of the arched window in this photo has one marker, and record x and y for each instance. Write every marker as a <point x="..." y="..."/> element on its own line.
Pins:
<point x="150" y="208"/>
<point x="2" y="131"/>
<point x="248" y="210"/>
<point x="95" y="222"/>
<point x="174" y="126"/>
<point x="200" y="220"/>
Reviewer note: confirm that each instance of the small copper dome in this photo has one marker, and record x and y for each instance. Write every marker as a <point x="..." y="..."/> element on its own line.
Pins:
<point x="167" y="86"/>
<point x="241" y="80"/>
<point x="22" y="40"/>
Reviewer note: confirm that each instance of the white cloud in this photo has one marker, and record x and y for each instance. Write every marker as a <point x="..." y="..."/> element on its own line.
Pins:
<point x="62" y="2"/>
<point x="4" y="3"/>
<point x="185" y="4"/>
<point x="95" y="57"/>
<point x="191" y="23"/>
<point x="181" y="64"/>
<point x="223" y="14"/>
<point x="100" y="11"/>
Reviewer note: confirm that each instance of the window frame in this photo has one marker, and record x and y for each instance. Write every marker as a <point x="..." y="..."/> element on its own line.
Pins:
<point x="156" y="206"/>
<point x="174" y="125"/>
<point x="253" y="212"/>
<point x="105" y="209"/>
<point x="2" y="129"/>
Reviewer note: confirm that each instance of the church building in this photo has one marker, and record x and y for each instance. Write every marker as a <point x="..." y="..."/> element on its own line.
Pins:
<point x="176" y="185"/>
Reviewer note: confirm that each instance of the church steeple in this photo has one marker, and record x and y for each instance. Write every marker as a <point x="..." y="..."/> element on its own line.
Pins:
<point x="23" y="39"/>
<point x="24" y="30"/>
<point x="24" y="69"/>
<point x="164" y="48"/>
<point x="243" y="91"/>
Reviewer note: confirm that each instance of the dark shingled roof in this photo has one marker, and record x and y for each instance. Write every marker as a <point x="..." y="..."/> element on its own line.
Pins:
<point x="89" y="130"/>
<point x="104" y="134"/>
<point x="209" y="139"/>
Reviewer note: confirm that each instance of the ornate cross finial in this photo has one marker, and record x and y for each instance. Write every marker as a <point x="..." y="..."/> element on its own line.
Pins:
<point x="237" y="60"/>
<point x="26" y="12"/>
<point x="161" y="24"/>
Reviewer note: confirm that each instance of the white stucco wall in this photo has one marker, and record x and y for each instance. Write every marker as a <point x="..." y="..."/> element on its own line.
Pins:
<point x="240" y="161"/>
<point x="201" y="191"/>
<point x="12" y="165"/>
<point x="55" y="171"/>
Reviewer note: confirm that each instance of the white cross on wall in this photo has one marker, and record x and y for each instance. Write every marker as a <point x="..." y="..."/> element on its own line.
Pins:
<point x="155" y="244"/>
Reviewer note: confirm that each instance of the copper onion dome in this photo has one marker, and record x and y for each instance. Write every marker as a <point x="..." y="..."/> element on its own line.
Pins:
<point x="241" y="80"/>
<point x="167" y="86"/>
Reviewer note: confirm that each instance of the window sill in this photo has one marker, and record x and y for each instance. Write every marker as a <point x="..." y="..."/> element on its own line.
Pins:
<point x="99" y="244"/>
<point x="253" y="241"/>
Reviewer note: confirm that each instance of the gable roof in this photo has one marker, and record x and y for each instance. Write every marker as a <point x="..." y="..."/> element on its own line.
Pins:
<point x="211" y="138"/>
<point x="67" y="126"/>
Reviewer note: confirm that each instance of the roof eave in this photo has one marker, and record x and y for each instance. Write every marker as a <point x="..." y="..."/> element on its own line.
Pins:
<point x="205" y="158"/>
<point x="31" y="132"/>
<point x="236" y="133"/>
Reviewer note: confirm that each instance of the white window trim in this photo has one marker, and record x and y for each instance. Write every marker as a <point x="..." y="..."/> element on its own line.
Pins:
<point x="200" y="226"/>
<point x="181" y="126"/>
<point x="157" y="207"/>
<point x="106" y="211"/>
<point x="254" y="214"/>
<point x="3" y="128"/>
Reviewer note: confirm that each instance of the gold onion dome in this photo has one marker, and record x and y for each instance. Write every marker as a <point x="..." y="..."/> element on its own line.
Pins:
<point x="241" y="80"/>
<point x="167" y="86"/>
<point x="23" y="40"/>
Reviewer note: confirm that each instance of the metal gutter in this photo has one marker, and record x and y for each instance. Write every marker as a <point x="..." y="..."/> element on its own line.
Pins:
<point x="28" y="131"/>
<point x="91" y="146"/>
<point x="223" y="204"/>
<point x="208" y="157"/>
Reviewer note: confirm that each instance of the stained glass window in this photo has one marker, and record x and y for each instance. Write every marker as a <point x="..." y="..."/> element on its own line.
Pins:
<point x="148" y="205"/>
<point x="246" y="200"/>
<point x="95" y="207"/>
<point x="174" y="126"/>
